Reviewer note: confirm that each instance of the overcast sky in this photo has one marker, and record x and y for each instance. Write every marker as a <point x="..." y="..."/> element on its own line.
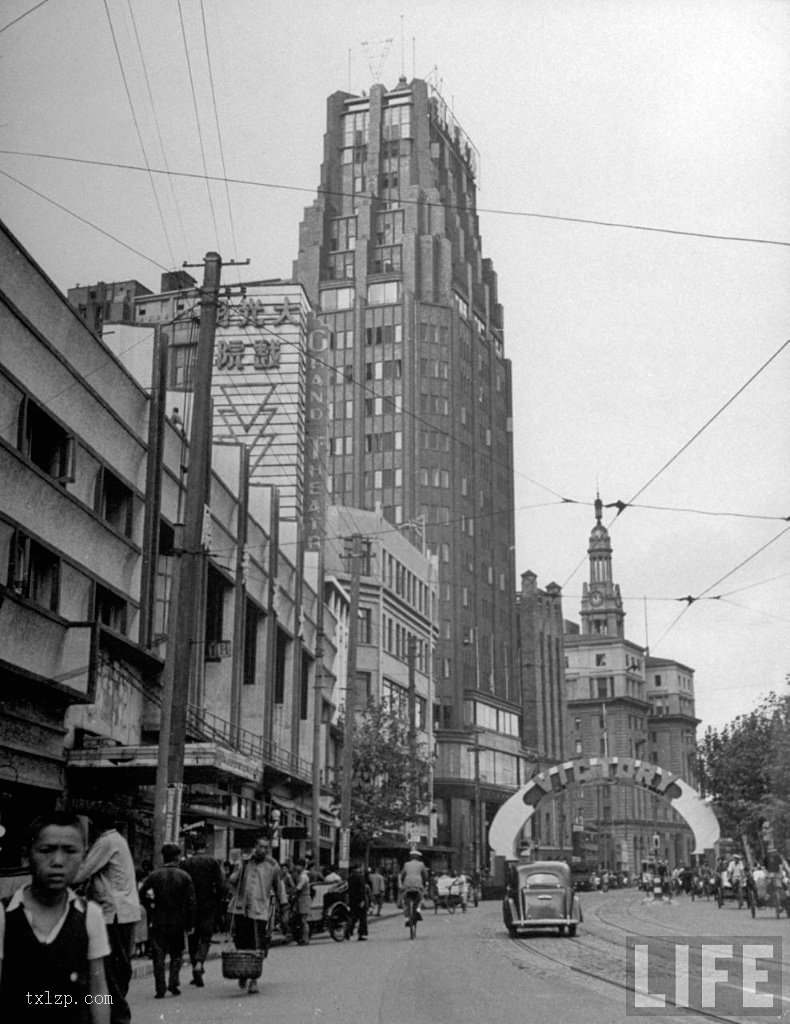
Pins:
<point x="624" y="343"/>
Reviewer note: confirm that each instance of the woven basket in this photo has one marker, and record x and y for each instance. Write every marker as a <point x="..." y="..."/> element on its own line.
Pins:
<point x="242" y="963"/>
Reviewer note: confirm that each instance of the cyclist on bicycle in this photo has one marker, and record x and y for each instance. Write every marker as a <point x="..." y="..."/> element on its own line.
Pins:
<point x="413" y="882"/>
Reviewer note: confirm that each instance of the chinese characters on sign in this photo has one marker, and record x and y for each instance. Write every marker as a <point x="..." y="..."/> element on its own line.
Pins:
<point x="231" y="352"/>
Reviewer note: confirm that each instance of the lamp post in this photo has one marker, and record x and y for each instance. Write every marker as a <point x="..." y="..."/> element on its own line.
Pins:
<point x="476" y="815"/>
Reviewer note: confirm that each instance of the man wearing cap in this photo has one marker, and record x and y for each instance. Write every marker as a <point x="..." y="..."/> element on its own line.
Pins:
<point x="736" y="874"/>
<point x="413" y="879"/>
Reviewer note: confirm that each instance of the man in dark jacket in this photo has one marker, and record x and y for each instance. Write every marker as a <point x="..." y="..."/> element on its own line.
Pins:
<point x="358" y="902"/>
<point x="169" y="898"/>
<point x="209" y="883"/>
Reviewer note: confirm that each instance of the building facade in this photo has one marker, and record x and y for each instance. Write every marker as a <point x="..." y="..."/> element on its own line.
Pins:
<point x="612" y="712"/>
<point x="90" y="525"/>
<point x="421" y="411"/>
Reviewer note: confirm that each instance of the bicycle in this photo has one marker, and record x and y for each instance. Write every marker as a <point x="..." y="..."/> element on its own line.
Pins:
<point x="412" y="912"/>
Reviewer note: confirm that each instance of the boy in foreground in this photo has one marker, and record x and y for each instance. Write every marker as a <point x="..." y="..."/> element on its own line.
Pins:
<point x="53" y="942"/>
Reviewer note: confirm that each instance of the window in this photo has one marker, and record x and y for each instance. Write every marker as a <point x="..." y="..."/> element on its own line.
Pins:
<point x="381" y="293"/>
<point x="365" y="628"/>
<point x="280" y="659"/>
<point x="600" y="659"/>
<point x="34" y="572"/>
<point x="45" y="442"/>
<point x="250" y="645"/>
<point x="337" y="298"/>
<point x="215" y="607"/>
<point x="109" y="609"/>
<point x="657" y="680"/>
<point x="181" y="363"/>
<point x="114" y="501"/>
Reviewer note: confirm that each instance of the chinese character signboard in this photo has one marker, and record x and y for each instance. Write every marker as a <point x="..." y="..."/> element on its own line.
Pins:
<point x="259" y="386"/>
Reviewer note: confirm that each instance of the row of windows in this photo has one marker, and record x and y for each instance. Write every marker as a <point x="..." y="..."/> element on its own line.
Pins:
<point x="406" y="584"/>
<point x="379" y="406"/>
<point x="492" y="719"/>
<point x="38" y="574"/>
<point x="384" y="441"/>
<point x="53" y="450"/>
<point x="396" y="700"/>
<point x="396" y="640"/>
<point x="379" y="479"/>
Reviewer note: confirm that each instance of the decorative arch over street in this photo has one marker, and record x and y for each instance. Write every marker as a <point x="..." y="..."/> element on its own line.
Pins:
<point x="683" y="798"/>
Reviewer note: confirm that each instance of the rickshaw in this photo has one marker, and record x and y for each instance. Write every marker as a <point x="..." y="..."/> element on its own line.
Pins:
<point x="449" y="893"/>
<point x="329" y="910"/>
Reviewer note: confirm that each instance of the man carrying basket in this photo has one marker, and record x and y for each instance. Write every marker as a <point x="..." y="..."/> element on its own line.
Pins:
<point x="257" y="886"/>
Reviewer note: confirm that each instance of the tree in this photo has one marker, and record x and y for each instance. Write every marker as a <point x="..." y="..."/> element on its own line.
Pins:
<point x="745" y="767"/>
<point x="389" y="779"/>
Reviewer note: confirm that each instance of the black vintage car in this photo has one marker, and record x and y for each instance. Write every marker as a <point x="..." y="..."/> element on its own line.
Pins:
<point x="540" y="895"/>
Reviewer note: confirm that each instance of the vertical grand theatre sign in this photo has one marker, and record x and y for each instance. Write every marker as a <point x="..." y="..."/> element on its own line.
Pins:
<point x="317" y="431"/>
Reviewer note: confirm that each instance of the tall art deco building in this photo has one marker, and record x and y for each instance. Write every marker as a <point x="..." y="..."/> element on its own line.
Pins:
<point x="421" y="416"/>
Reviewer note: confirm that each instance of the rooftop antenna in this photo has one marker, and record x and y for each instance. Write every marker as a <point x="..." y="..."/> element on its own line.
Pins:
<point x="377" y="52"/>
<point x="402" y="51"/>
<point x="647" y="635"/>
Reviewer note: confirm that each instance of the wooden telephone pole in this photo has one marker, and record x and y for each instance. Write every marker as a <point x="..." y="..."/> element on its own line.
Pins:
<point x="185" y="645"/>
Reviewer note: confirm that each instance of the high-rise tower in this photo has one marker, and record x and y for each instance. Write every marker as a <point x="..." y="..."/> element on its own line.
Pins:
<point x="390" y="254"/>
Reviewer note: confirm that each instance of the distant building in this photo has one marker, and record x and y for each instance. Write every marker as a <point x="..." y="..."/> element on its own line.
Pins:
<point x="396" y="627"/>
<point x="613" y="711"/>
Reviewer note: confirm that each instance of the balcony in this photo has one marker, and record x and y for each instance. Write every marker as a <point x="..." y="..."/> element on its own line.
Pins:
<point x="205" y="725"/>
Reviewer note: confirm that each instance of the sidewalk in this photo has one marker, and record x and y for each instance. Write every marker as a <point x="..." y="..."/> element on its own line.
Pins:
<point x="142" y="967"/>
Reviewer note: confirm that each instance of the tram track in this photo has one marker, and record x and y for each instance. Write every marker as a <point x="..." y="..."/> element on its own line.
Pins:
<point x="583" y="955"/>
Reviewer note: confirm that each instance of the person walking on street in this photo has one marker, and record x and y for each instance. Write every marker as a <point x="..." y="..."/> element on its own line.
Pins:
<point x="358" y="900"/>
<point x="302" y="904"/>
<point x="169" y="898"/>
<point x="209" y="884"/>
<point x="109" y="876"/>
<point x="257" y="887"/>
<point x="377" y="885"/>
<point x="50" y="938"/>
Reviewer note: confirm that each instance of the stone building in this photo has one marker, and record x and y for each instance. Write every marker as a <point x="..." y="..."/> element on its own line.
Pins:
<point x="390" y="254"/>
<point x="612" y="711"/>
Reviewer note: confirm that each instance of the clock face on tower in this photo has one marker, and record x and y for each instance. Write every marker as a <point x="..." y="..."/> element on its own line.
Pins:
<point x="596" y="598"/>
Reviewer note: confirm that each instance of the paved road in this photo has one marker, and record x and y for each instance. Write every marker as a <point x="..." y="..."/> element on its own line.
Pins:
<point x="461" y="969"/>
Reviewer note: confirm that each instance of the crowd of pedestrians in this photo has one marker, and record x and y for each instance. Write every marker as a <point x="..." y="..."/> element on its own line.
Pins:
<point x="76" y="926"/>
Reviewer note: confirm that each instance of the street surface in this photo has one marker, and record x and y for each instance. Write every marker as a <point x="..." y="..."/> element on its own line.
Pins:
<point x="461" y="969"/>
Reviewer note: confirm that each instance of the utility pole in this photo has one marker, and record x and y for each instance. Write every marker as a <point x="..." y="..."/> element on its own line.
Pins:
<point x="410" y="650"/>
<point x="318" y="707"/>
<point x="240" y="594"/>
<point x="190" y="565"/>
<point x="351" y="704"/>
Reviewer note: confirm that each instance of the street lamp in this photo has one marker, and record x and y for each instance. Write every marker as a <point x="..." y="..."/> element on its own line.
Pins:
<point x="476" y="837"/>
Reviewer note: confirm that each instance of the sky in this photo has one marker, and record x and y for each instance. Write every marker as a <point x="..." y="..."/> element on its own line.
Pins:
<point x="647" y="365"/>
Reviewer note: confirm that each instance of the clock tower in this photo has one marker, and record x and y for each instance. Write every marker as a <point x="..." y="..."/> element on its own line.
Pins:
<point x="602" y="607"/>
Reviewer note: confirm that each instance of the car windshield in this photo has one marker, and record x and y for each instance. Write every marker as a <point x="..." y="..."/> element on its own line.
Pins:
<point x="540" y="881"/>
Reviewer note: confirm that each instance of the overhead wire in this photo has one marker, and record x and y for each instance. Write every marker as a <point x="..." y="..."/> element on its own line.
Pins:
<point x="219" y="133"/>
<point x="139" y="132"/>
<point x="83" y="220"/>
<point x="21" y="16"/>
<point x="339" y="193"/>
<point x="205" y="175"/>
<point x="162" y="148"/>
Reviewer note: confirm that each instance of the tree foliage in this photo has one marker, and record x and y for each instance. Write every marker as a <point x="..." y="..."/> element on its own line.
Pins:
<point x="745" y="768"/>
<point x="389" y="779"/>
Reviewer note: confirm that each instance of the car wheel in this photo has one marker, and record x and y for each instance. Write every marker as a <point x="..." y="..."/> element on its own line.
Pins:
<point x="512" y="931"/>
<point x="572" y="931"/>
<point x="562" y="929"/>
